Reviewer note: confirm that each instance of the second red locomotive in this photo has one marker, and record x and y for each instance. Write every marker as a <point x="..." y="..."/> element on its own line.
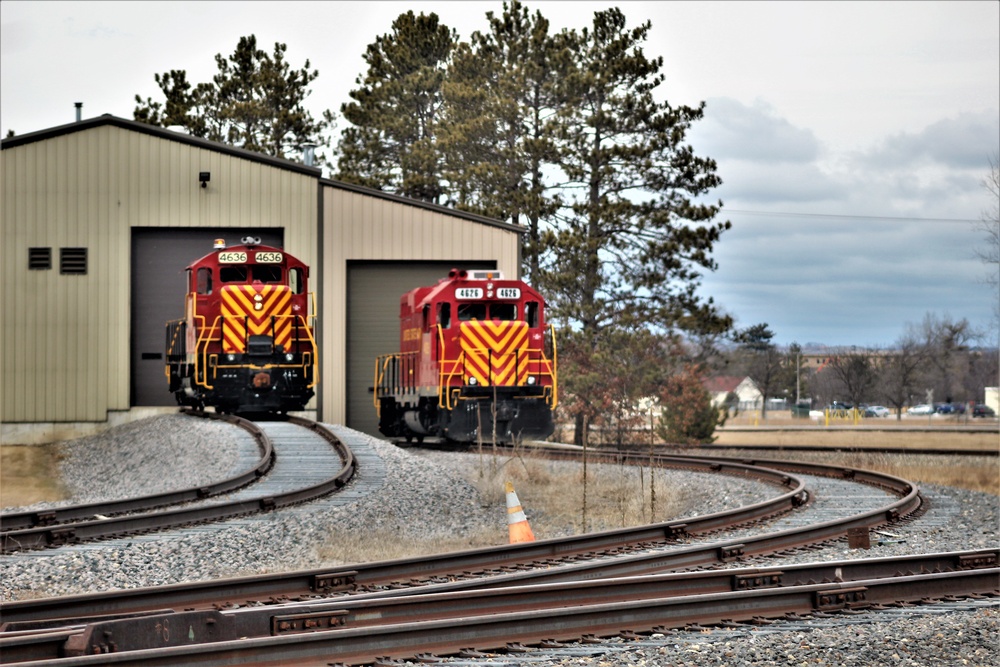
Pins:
<point x="477" y="362"/>
<point x="246" y="341"/>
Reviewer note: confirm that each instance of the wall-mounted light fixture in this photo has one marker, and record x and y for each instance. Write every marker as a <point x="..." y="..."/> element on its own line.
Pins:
<point x="204" y="177"/>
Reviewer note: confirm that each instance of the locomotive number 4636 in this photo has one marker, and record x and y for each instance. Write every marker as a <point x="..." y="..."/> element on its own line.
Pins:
<point x="240" y="257"/>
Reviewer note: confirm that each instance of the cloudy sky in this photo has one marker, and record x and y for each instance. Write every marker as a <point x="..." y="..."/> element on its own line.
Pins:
<point x="852" y="138"/>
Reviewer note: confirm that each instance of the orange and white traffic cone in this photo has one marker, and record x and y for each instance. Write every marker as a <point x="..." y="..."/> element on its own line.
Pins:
<point x="517" y="523"/>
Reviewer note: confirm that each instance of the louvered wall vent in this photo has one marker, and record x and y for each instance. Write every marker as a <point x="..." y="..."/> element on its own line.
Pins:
<point x="73" y="260"/>
<point x="39" y="259"/>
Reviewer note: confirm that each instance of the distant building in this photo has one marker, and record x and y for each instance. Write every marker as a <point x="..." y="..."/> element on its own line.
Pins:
<point x="748" y="396"/>
<point x="993" y="398"/>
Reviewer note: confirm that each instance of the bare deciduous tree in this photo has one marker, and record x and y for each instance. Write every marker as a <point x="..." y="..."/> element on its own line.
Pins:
<point x="855" y="373"/>
<point x="989" y="250"/>
<point x="900" y="371"/>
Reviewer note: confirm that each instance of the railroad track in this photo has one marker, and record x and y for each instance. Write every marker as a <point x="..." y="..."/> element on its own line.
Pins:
<point x="365" y="630"/>
<point x="299" y="461"/>
<point x="626" y="552"/>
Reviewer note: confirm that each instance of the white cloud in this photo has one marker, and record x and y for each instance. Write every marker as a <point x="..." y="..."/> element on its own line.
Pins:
<point x="733" y="130"/>
<point x="963" y="142"/>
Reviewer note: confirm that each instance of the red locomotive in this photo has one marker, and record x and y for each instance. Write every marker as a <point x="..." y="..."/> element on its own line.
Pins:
<point x="246" y="341"/>
<point x="477" y="363"/>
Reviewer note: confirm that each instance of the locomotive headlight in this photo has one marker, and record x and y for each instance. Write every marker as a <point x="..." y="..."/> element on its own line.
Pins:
<point x="230" y="357"/>
<point x="289" y="356"/>
<point x="531" y="380"/>
<point x="472" y="380"/>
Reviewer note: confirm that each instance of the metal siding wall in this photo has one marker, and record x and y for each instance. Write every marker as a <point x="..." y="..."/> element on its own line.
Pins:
<point x="358" y="228"/>
<point x="65" y="338"/>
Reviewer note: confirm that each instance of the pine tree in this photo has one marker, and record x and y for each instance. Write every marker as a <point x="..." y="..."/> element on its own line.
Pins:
<point x="256" y="102"/>
<point x="634" y="239"/>
<point x="501" y="102"/>
<point x="394" y="116"/>
<point x="764" y="363"/>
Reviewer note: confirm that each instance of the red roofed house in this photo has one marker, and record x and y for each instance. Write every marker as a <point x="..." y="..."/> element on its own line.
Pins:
<point x="748" y="397"/>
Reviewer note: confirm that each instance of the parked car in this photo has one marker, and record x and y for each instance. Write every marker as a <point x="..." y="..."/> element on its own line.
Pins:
<point x="981" y="410"/>
<point x="946" y="409"/>
<point x="876" y="411"/>
<point x="923" y="409"/>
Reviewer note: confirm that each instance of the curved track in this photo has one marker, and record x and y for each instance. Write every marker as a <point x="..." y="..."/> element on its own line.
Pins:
<point x="13" y="521"/>
<point x="658" y="547"/>
<point x="517" y="598"/>
<point x="300" y="461"/>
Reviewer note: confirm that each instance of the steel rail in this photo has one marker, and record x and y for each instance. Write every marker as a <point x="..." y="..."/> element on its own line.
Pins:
<point x="405" y="572"/>
<point x="606" y="610"/>
<point x="10" y="521"/>
<point x="33" y="538"/>
<point x="146" y="632"/>
<point x="503" y="564"/>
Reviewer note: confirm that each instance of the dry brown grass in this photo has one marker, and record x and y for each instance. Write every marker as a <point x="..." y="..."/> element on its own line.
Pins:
<point x="975" y="473"/>
<point x="29" y="474"/>
<point x="553" y="498"/>
<point x="561" y="503"/>
<point x="863" y="438"/>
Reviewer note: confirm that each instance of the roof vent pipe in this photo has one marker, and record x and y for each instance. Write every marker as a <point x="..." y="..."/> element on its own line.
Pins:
<point x="79" y="111"/>
<point x="309" y="154"/>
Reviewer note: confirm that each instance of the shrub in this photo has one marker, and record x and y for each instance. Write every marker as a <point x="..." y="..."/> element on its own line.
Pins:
<point x="688" y="417"/>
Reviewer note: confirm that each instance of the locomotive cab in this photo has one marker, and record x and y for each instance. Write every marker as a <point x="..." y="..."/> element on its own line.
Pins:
<point x="476" y="363"/>
<point x="246" y="341"/>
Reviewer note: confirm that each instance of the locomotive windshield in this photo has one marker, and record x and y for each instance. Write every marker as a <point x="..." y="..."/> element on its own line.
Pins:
<point x="484" y="311"/>
<point x="503" y="311"/>
<point x="266" y="273"/>
<point x="233" y="274"/>
<point x="263" y="273"/>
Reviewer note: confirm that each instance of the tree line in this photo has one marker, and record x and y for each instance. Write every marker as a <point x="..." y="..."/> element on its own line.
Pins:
<point x="939" y="360"/>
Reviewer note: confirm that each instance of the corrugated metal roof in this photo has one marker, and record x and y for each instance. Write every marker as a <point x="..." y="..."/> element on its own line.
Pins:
<point x="135" y="126"/>
<point x="162" y="132"/>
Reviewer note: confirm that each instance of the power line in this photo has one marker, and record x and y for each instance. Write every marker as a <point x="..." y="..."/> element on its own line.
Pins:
<point x="787" y="214"/>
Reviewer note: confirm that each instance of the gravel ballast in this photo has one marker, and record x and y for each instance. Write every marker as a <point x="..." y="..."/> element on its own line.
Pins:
<point x="426" y="496"/>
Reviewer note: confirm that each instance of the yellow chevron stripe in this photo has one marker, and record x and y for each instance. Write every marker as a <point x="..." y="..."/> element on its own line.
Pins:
<point x="495" y="352"/>
<point x="497" y="337"/>
<point x="241" y="318"/>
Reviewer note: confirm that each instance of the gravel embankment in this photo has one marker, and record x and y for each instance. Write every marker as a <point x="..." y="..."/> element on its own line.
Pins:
<point x="427" y="496"/>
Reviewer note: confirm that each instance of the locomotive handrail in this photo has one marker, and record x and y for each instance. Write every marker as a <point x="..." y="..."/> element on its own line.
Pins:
<point x="202" y="345"/>
<point x="394" y="383"/>
<point x="444" y="378"/>
<point x="314" y="351"/>
<point x="555" y="369"/>
<point x="244" y="320"/>
<point x="207" y="335"/>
